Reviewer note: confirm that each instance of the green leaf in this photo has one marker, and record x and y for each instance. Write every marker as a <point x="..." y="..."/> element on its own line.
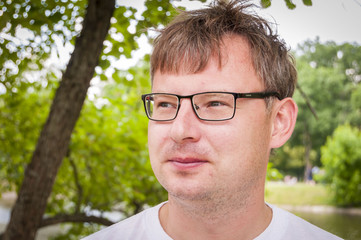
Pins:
<point x="265" y="3"/>
<point x="290" y="4"/>
<point x="307" y="2"/>
<point x="103" y="77"/>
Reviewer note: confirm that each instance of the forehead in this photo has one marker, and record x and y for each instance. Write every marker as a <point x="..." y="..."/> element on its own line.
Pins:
<point x="193" y="59"/>
<point x="233" y="71"/>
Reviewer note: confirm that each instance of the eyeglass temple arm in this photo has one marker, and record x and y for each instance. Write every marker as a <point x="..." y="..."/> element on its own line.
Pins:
<point x="259" y="95"/>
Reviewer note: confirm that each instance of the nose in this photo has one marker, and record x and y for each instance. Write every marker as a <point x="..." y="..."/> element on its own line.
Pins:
<point x="185" y="127"/>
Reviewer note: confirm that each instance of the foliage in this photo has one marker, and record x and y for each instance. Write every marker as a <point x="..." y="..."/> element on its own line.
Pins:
<point x="289" y="160"/>
<point x="31" y="32"/>
<point x="355" y="116"/>
<point x="272" y="173"/>
<point x="329" y="95"/>
<point x="289" y="3"/>
<point x="328" y="74"/>
<point x="341" y="157"/>
<point x="107" y="168"/>
<point x="345" y="57"/>
<point x="28" y="32"/>
<point x="22" y="114"/>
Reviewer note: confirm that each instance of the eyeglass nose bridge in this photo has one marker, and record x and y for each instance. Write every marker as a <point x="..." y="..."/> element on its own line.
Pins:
<point x="192" y="104"/>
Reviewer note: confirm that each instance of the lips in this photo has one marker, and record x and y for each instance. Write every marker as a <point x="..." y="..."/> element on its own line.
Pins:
<point x="187" y="163"/>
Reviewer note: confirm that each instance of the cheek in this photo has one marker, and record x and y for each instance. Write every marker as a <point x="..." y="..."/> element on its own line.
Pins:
<point x="156" y="131"/>
<point x="226" y="143"/>
<point x="242" y="153"/>
<point x="154" y="148"/>
<point x="158" y="142"/>
<point x="154" y="139"/>
<point x="241" y="140"/>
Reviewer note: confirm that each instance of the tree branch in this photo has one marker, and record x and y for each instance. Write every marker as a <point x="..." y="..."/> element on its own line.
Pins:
<point x="308" y="102"/>
<point x="74" y="218"/>
<point x="77" y="183"/>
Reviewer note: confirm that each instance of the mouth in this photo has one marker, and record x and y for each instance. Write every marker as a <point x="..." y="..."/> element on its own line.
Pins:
<point x="187" y="163"/>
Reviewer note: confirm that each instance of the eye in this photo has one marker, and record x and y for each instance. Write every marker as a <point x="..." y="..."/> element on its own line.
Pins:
<point x="215" y="104"/>
<point x="166" y="105"/>
<point x="214" y="100"/>
<point x="165" y="102"/>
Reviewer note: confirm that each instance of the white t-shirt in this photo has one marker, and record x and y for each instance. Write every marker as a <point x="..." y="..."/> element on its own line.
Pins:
<point x="146" y="226"/>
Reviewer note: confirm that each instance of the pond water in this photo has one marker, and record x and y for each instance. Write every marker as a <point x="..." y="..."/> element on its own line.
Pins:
<point x="344" y="225"/>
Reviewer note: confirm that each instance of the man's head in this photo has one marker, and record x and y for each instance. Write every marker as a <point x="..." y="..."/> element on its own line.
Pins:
<point x="220" y="49"/>
<point x="194" y="37"/>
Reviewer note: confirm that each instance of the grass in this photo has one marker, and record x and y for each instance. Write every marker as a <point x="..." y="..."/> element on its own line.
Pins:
<point x="297" y="194"/>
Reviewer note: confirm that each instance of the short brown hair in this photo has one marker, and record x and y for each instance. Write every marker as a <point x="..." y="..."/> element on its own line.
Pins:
<point x="194" y="37"/>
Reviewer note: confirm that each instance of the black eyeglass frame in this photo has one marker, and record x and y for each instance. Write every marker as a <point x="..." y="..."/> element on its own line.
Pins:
<point x="254" y="95"/>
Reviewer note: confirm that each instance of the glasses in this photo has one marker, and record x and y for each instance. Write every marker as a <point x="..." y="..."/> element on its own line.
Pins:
<point x="208" y="106"/>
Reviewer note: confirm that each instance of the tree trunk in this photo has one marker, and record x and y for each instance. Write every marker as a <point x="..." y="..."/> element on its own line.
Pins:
<point x="307" y="143"/>
<point x="40" y="174"/>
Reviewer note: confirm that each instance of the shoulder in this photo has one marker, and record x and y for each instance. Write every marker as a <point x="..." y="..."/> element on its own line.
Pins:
<point x="285" y="225"/>
<point x="139" y="226"/>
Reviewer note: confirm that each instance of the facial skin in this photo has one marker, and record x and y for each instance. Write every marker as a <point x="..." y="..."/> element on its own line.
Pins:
<point x="217" y="166"/>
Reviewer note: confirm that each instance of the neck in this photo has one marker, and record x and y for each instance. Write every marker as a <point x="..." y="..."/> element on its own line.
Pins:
<point x="183" y="219"/>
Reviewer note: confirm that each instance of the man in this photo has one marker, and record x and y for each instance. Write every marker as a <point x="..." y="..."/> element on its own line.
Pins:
<point x="221" y="100"/>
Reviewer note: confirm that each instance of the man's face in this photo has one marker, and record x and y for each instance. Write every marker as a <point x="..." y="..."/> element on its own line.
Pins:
<point x="200" y="160"/>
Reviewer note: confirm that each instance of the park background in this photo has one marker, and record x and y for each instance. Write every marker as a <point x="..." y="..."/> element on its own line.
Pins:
<point x="101" y="174"/>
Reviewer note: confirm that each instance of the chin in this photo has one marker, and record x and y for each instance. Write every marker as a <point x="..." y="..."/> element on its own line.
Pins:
<point x="188" y="192"/>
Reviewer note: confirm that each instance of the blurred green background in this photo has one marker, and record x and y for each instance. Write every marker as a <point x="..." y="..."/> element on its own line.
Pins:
<point x="106" y="171"/>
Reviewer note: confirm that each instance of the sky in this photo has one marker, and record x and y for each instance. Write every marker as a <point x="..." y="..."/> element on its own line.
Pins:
<point x="330" y="20"/>
<point x="335" y="20"/>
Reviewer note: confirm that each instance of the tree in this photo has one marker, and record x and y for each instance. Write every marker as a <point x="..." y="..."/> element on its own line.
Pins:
<point x="63" y="19"/>
<point x="341" y="157"/>
<point x="107" y="167"/>
<point x="53" y="142"/>
<point x="325" y="78"/>
<point x="355" y="116"/>
<point x="326" y="91"/>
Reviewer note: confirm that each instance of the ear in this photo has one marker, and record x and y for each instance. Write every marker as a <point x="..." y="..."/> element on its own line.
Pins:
<point x="284" y="120"/>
